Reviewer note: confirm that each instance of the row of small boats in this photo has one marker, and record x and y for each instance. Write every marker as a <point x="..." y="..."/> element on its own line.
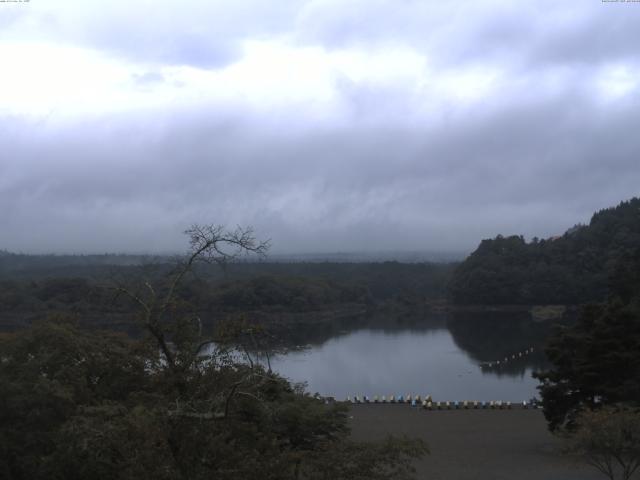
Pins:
<point x="427" y="402"/>
<point x="390" y="399"/>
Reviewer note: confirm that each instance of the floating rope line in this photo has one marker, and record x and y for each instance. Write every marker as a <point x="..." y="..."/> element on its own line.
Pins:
<point x="507" y="359"/>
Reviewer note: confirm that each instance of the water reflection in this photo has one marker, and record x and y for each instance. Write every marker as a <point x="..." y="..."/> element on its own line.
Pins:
<point x="489" y="338"/>
<point x="441" y="357"/>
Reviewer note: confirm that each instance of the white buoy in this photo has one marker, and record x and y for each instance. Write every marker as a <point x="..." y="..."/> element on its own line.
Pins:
<point x="430" y="405"/>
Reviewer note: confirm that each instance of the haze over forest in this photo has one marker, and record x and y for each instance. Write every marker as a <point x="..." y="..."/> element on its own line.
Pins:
<point x="326" y="125"/>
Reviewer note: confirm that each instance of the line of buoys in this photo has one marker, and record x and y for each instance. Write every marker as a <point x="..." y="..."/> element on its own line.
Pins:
<point x="507" y="359"/>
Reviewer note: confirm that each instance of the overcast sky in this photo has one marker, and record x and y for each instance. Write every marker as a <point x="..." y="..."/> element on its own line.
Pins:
<point x="328" y="125"/>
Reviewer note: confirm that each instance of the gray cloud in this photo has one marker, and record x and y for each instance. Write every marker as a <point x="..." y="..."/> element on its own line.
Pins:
<point x="537" y="155"/>
<point x="532" y="169"/>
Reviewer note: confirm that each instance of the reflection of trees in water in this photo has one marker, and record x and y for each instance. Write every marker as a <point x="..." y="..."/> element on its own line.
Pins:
<point x="291" y="335"/>
<point x="484" y="336"/>
<point x="312" y="334"/>
<point x="517" y="367"/>
<point x="491" y="336"/>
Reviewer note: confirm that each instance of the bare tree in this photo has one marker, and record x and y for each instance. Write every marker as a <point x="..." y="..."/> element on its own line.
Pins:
<point x="210" y="244"/>
<point x="609" y="438"/>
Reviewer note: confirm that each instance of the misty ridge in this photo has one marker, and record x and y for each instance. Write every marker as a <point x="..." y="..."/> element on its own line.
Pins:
<point x="568" y="270"/>
<point x="24" y="261"/>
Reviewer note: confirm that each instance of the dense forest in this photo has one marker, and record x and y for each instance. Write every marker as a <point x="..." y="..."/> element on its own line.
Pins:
<point x="383" y="279"/>
<point x="286" y="295"/>
<point x="574" y="268"/>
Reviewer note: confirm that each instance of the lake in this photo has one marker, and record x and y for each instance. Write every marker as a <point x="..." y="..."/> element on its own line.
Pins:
<point x="447" y="359"/>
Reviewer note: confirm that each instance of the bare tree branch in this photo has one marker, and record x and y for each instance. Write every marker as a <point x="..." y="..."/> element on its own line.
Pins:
<point x="208" y="243"/>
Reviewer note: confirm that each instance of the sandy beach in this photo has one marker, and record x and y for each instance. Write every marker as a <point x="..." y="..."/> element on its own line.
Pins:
<point x="475" y="444"/>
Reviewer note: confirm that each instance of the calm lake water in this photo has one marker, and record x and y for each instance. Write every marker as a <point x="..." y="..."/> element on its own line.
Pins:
<point x="448" y="361"/>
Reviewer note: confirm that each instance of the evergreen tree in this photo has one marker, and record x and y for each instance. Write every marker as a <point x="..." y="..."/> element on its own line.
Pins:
<point x="597" y="361"/>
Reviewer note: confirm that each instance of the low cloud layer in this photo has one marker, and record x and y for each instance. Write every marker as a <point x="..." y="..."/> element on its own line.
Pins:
<point x="328" y="126"/>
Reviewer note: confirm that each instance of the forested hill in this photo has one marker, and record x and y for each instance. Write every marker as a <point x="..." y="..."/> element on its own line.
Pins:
<point x="574" y="268"/>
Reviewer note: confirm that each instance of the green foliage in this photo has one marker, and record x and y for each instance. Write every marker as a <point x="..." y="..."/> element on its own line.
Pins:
<point x="294" y="292"/>
<point x="597" y="361"/>
<point x="45" y="374"/>
<point x="570" y="269"/>
<point x="80" y="405"/>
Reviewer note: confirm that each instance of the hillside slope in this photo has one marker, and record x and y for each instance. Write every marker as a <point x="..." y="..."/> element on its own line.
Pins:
<point x="571" y="269"/>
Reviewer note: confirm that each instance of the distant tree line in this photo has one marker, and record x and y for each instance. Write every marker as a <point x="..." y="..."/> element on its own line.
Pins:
<point x="38" y="291"/>
<point x="383" y="279"/>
